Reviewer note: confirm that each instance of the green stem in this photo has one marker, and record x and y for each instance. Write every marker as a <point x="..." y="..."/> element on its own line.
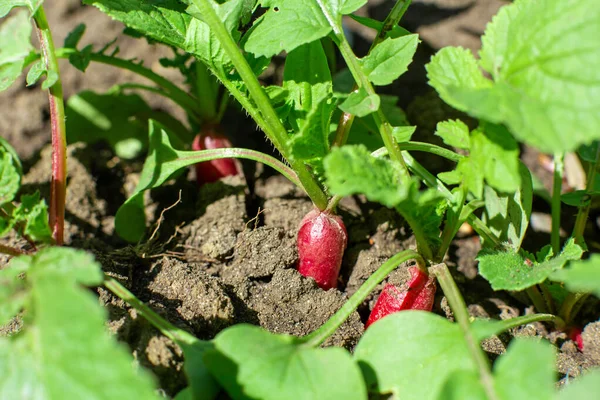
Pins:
<point x="511" y="323"/>
<point x="571" y="306"/>
<point x="431" y="148"/>
<point x="178" y="95"/>
<point x="582" y="214"/>
<point x="343" y="129"/>
<point x="207" y="96"/>
<point x="165" y="327"/>
<point x="277" y="134"/>
<point x="58" y="184"/>
<point x="214" y="154"/>
<point x="537" y="299"/>
<point x="556" y="191"/>
<point x="459" y="308"/>
<point x="317" y="337"/>
<point x="548" y="299"/>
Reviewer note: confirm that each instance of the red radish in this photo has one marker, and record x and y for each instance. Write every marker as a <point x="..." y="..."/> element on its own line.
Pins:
<point x="575" y="335"/>
<point x="322" y="239"/>
<point x="212" y="171"/>
<point x="418" y="295"/>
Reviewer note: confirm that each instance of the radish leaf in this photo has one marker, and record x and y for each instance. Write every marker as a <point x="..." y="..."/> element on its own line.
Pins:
<point x="390" y="59"/>
<point x="250" y="362"/>
<point x="290" y="23"/>
<point x="581" y="276"/>
<point x="514" y="271"/>
<point x="64" y="350"/>
<point x="507" y="215"/>
<point x="360" y="103"/>
<point x="10" y="176"/>
<point x="15" y="46"/>
<point x="411" y="354"/>
<point x="561" y="53"/>
<point x="525" y="371"/>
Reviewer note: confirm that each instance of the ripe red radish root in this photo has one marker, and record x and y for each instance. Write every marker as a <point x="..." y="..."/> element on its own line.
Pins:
<point x="322" y="239"/>
<point x="212" y="171"/>
<point x="418" y="295"/>
<point x="575" y="335"/>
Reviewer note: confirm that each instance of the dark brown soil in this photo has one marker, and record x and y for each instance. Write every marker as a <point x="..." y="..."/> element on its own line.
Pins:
<point x="226" y="253"/>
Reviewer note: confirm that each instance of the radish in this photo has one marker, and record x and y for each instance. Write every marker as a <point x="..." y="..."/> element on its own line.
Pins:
<point x="575" y="335"/>
<point x="212" y="171"/>
<point x="322" y="239"/>
<point x="418" y="295"/>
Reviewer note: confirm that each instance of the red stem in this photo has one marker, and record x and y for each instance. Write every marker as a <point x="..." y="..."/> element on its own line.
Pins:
<point x="58" y="183"/>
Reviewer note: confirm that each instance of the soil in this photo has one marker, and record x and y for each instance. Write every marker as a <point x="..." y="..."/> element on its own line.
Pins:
<point x="226" y="253"/>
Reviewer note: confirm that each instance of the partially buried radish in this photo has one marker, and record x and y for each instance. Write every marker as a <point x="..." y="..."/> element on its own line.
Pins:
<point x="211" y="171"/>
<point x="418" y="295"/>
<point x="322" y="240"/>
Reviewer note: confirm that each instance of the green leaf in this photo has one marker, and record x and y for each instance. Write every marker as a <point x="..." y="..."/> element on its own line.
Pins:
<point x="462" y="385"/>
<point x="512" y="271"/>
<point x="201" y="42"/>
<point x="202" y="385"/>
<point x="35" y="73"/>
<point x="390" y="59"/>
<point x="411" y="354"/>
<point x="250" y="362"/>
<point x="403" y="133"/>
<point x="581" y="276"/>
<point x="120" y="119"/>
<point x="33" y="214"/>
<point x="161" y="20"/>
<point x="494" y="155"/>
<point x="454" y="133"/>
<point x="360" y="103"/>
<point x="81" y="59"/>
<point x="65" y="263"/>
<point x="525" y="371"/>
<point x="312" y="142"/>
<point x="290" y="23"/>
<point x="560" y="53"/>
<point x="13" y="291"/>
<point x="586" y="387"/>
<point x="73" y="38"/>
<point x="307" y="79"/>
<point x="10" y="176"/>
<point x="578" y="198"/>
<point x="352" y="169"/>
<point x="588" y="152"/>
<point x="15" y="44"/>
<point x="7" y="5"/>
<point x="65" y="351"/>
<point x="507" y="215"/>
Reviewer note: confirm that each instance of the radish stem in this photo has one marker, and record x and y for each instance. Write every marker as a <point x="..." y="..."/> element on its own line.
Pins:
<point x="58" y="185"/>
<point x="582" y="214"/>
<point x="556" y="191"/>
<point x="165" y="327"/>
<point x="318" y="336"/>
<point x="459" y="308"/>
